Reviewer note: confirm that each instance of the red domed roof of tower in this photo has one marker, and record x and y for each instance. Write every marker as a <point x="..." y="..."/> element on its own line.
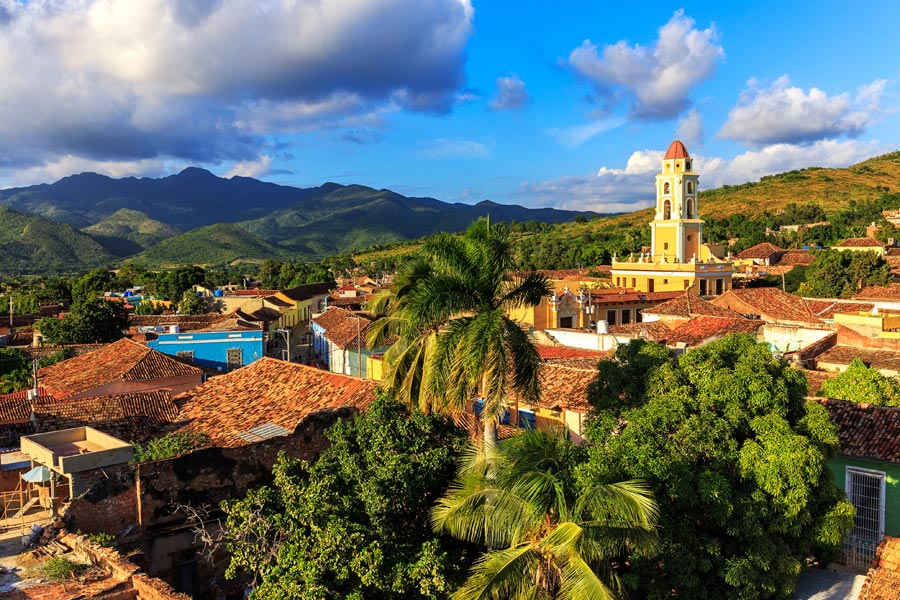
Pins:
<point x="676" y="150"/>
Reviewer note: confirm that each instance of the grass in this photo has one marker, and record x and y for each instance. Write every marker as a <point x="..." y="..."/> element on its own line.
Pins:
<point x="60" y="568"/>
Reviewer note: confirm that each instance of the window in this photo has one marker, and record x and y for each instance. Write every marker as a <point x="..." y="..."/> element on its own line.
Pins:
<point x="634" y="282"/>
<point x="611" y="317"/>
<point x="188" y="354"/>
<point x="234" y="357"/>
<point x="527" y="419"/>
<point x="565" y="322"/>
<point x="665" y="245"/>
<point x="865" y="491"/>
<point x="690" y="185"/>
<point x="667" y="209"/>
<point x="690" y="207"/>
<point x="687" y="166"/>
<point x="703" y="287"/>
<point x="720" y="287"/>
<point x="626" y="316"/>
<point x="666" y="188"/>
<point x="650" y="286"/>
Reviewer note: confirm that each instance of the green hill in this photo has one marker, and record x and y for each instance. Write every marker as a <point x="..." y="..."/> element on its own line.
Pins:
<point x="127" y="232"/>
<point x="212" y="245"/>
<point x="30" y="244"/>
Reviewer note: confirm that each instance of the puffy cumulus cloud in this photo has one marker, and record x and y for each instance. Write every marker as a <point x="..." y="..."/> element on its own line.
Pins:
<point x="656" y="80"/>
<point x="632" y="187"/>
<point x="782" y="113"/>
<point x="251" y="168"/>
<point x="690" y="129"/>
<point x="511" y="94"/>
<point x="444" y="148"/>
<point x="210" y="80"/>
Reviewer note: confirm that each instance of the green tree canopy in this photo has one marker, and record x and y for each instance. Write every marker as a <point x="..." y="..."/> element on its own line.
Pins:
<point x="354" y="524"/>
<point x="191" y="304"/>
<point x="92" y="321"/>
<point x="859" y="383"/>
<point x="547" y="537"/>
<point x="93" y="283"/>
<point x="836" y="274"/>
<point x="736" y="460"/>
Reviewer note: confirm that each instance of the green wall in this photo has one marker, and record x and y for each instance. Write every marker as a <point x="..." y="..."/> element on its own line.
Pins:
<point x="838" y="466"/>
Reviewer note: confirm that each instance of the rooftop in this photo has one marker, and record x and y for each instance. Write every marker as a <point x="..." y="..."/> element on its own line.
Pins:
<point x="676" y="150"/>
<point x="861" y="242"/>
<point x="879" y="292"/>
<point x="883" y="579"/>
<point x="267" y="392"/>
<point x="865" y="430"/>
<point x="883" y="360"/>
<point x="344" y="328"/>
<point x="702" y="329"/>
<point x="687" y="305"/>
<point x="565" y="381"/>
<point x="763" y="250"/>
<point x="124" y="360"/>
<point x="652" y="331"/>
<point x="771" y="304"/>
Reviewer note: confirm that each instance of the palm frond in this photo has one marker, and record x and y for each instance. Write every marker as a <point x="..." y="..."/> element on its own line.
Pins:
<point x="498" y="574"/>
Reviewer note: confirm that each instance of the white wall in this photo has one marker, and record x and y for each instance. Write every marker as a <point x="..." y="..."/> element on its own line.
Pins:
<point x="789" y="338"/>
<point x="583" y="339"/>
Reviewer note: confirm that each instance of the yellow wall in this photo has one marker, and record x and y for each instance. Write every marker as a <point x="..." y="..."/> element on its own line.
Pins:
<point x="374" y="368"/>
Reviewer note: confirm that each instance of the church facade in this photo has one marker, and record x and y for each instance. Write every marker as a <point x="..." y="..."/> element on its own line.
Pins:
<point x="678" y="260"/>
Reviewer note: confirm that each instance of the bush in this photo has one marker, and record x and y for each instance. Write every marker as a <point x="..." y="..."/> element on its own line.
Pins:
<point x="169" y="446"/>
<point x="60" y="568"/>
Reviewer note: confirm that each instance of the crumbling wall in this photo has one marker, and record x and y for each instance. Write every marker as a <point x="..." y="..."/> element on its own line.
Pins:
<point x="109" y="506"/>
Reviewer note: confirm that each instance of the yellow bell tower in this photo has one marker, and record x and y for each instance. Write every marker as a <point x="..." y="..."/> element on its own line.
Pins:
<point x="677" y="260"/>
<point x="677" y="232"/>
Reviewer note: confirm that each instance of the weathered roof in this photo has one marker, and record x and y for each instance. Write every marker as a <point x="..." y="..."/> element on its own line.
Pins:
<point x="124" y="360"/>
<point x="883" y="579"/>
<point x="887" y="360"/>
<point x="653" y="331"/>
<point x="546" y="352"/>
<point x="865" y="430"/>
<point x="826" y="309"/>
<point x="564" y="383"/>
<point x="879" y="292"/>
<point x="305" y="292"/>
<point x="129" y="417"/>
<point x="702" y="329"/>
<point x="796" y="257"/>
<point x="763" y="250"/>
<point x="676" y="150"/>
<point x="624" y="296"/>
<point x="278" y="301"/>
<point x="184" y="322"/>
<point x="861" y="242"/>
<point x="815" y="379"/>
<point x="267" y="391"/>
<point x="687" y="305"/>
<point x="769" y="303"/>
<point x="344" y="328"/>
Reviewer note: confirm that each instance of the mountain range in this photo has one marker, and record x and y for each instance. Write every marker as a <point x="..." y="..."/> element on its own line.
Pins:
<point x="197" y="217"/>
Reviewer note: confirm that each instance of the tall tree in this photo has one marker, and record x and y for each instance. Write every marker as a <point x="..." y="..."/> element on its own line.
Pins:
<point x="736" y="460"/>
<point x="92" y="321"/>
<point x="859" y="383"/>
<point x="477" y="351"/>
<point x="547" y="537"/>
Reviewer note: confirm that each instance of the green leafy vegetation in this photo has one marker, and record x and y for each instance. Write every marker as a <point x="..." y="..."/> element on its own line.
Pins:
<point x="841" y="274"/>
<point x="354" y="524"/>
<point x="859" y="383"/>
<point x="60" y="568"/>
<point x="169" y="446"/>
<point x="92" y="321"/>
<point x="736" y="461"/>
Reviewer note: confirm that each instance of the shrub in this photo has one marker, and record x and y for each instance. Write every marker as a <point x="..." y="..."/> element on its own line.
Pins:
<point x="60" y="568"/>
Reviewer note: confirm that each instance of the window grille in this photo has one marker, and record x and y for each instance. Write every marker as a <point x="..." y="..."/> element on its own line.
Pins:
<point x="234" y="357"/>
<point x="188" y="354"/>
<point x="865" y="490"/>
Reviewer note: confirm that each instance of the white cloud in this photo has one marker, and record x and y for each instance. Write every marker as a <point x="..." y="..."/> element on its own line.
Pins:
<point x="656" y="80"/>
<point x="251" y="168"/>
<point x="782" y="113"/>
<point x="511" y="94"/>
<point x="632" y="187"/>
<point x="690" y="129"/>
<point x="579" y="134"/>
<point x="444" y="148"/>
<point x="207" y="81"/>
<point x="68" y="165"/>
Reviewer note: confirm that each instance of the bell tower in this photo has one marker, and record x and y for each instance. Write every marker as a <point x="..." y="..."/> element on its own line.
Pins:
<point x="677" y="231"/>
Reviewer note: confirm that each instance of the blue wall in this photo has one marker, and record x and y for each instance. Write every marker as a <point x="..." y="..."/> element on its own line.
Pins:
<point x="210" y="347"/>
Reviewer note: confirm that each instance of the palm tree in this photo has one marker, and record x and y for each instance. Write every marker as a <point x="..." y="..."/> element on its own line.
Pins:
<point x="546" y="538"/>
<point x="455" y="342"/>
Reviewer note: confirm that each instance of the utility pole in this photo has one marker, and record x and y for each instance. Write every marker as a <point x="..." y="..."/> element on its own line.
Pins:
<point x="287" y="338"/>
<point x="358" y="350"/>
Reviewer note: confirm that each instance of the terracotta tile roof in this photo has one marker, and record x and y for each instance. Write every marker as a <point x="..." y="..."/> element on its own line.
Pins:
<point x="72" y="350"/>
<point x="15" y="408"/>
<point x="343" y="328"/>
<point x="702" y="329"/>
<point x="879" y="292"/>
<point x="687" y="305"/>
<point x="546" y="352"/>
<point x="825" y="309"/>
<point x="184" y="322"/>
<point x="278" y="302"/>
<point x="129" y="417"/>
<point x="815" y="379"/>
<point x="771" y="304"/>
<point x="866" y="431"/>
<point x="653" y="331"/>
<point x="267" y="391"/>
<point x="796" y="257"/>
<point x="569" y="274"/>
<point x="763" y="250"/>
<point x="254" y="292"/>
<point x="305" y="292"/>
<point x="863" y="242"/>
<point x="564" y="383"/>
<point x="122" y="360"/>
<point x="883" y="579"/>
<point x="600" y="297"/>
<point x="264" y="314"/>
<point x="357" y="301"/>
<point x="887" y="360"/>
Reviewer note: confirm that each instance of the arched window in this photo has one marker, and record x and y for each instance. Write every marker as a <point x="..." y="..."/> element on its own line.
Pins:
<point x="687" y="165"/>
<point x="667" y="209"/>
<point x="690" y="188"/>
<point x="666" y="188"/>
<point x="690" y="208"/>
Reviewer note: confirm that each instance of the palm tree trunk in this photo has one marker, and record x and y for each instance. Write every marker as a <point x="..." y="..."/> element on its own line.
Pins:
<point x="490" y="434"/>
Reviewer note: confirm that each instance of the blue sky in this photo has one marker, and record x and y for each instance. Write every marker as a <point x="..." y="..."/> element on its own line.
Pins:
<point x="565" y="104"/>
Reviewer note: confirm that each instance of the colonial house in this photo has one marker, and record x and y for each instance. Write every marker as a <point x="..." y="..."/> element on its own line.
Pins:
<point x="225" y="345"/>
<point x="764" y="254"/>
<point x="339" y="340"/>
<point x="864" y="244"/>
<point x="123" y="367"/>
